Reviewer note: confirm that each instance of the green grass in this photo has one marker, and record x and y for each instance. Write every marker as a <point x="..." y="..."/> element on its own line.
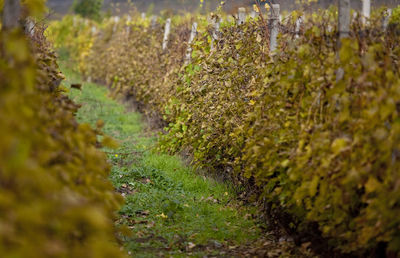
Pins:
<point x="169" y="208"/>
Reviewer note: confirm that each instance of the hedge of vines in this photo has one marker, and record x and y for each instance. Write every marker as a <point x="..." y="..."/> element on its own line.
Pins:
<point x="55" y="199"/>
<point x="324" y="151"/>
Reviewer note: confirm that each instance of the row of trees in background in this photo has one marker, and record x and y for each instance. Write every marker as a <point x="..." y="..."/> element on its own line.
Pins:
<point x="90" y="9"/>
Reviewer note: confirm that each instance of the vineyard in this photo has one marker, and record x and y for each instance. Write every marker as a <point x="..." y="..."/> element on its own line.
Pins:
<point x="290" y="122"/>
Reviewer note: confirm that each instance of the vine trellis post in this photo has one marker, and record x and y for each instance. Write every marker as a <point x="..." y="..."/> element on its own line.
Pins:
<point x="11" y="14"/>
<point x="344" y="29"/>
<point x="94" y="30"/>
<point x="166" y="34"/>
<point x="29" y="27"/>
<point x="153" y="21"/>
<point x="11" y="17"/>
<point x="366" y="10"/>
<point x="241" y="15"/>
<point x="274" y="21"/>
<point x="116" y="20"/>
<point x="386" y="19"/>
<point x="189" y="49"/>
<point x="344" y="19"/>
<point x="215" y="34"/>
<point x="128" y="24"/>
<point x="299" y="21"/>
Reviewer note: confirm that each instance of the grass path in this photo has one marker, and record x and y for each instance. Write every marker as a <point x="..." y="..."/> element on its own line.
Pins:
<point x="169" y="209"/>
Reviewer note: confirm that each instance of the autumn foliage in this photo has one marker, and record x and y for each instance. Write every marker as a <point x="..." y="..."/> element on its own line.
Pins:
<point x="324" y="151"/>
<point x="55" y="199"/>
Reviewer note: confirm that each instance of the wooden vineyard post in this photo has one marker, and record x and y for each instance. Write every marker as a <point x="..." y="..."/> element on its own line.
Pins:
<point x="128" y="26"/>
<point x="29" y="27"/>
<point x="344" y="29"/>
<point x="241" y="15"/>
<point x="216" y="27"/>
<point x="166" y="33"/>
<point x="355" y="16"/>
<point x="366" y="10"/>
<point x="116" y="20"/>
<point x="153" y="21"/>
<point x="94" y="30"/>
<point x="253" y="14"/>
<point x="191" y="39"/>
<point x="274" y="21"/>
<point x="11" y="14"/>
<point x="299" y="21"/>
<point x="386" y="19"/>
<point x="344" y="19"/>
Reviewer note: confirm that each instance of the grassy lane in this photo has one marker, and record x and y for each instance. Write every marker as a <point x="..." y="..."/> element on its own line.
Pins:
<point x="168" y="207"/>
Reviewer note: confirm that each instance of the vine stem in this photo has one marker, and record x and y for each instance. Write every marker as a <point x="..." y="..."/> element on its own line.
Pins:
<point x="263" y="20"/>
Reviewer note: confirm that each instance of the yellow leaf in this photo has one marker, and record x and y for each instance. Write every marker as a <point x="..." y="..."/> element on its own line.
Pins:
<point x="285" y="163"/>
<point x="255" y="8"/>
<point x="162" y="215"/>
<point x="371" y="185"/>
<point x="339" y="145"/>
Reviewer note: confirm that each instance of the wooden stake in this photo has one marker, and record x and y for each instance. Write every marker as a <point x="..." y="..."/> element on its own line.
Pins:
<point x="274" y="21"/>
<point x="29" y="27"/>
<point x="241" y="15"/>
<point x="128" y="21"/>
<point x="215" y="36"/>
<point x="366" y="10"/>
<point x="298" y="26"/>
<point x="344" y="19"/>
<point x="166" y="33"/>
<point x="386" y="18"/>
<point x="116" y="20"/>
<point x="355" y="15"/>
<point x="344" y="29"/>
<point x="11" y="14"/>
<point x="192" y="36"/>
<point x="153" y="21"/>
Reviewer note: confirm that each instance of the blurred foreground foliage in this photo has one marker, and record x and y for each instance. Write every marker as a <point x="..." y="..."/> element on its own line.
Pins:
<point x="321" y="155"/>
<point x="55" y="199"/>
